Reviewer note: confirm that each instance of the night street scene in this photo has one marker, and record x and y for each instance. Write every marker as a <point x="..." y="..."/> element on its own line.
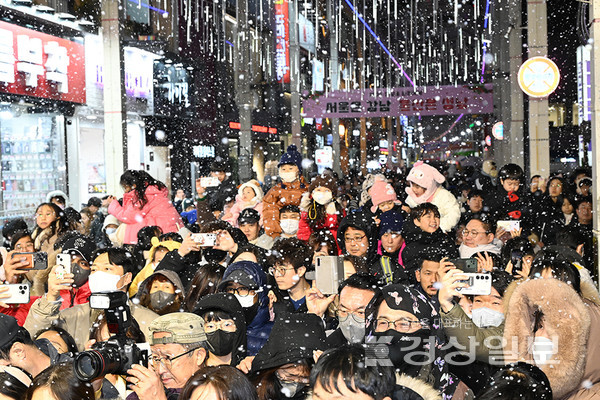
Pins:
<point x="299" y="199"/>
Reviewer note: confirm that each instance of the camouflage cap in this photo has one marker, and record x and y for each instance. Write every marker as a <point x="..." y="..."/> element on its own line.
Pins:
<point x="184" y="328"/>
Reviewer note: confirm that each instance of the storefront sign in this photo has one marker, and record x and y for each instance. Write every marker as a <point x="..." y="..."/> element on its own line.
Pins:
<point x="204" y="151"/>
<point x="306" y="33"/>
<point x="498" y="130"/>
<point x="172" y="89"/>
<point x="584" y="83"/>
<point x="282" y="41"/>
<point x="255" y="128"/>
<point x="476" y="99"/>
<point x="318" y="76"/>
<point x="539" y="77"/>
<point x="40" y="65"/>
<point x="139" y="70"/>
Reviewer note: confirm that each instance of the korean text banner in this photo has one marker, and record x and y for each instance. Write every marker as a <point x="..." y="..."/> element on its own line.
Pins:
<point x="40" y="65"/>
<point x="465" y="99"/>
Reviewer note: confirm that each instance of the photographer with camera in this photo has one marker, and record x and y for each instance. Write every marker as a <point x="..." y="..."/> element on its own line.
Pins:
<point x="179" y="349"/>
<point x="110" y="272"/>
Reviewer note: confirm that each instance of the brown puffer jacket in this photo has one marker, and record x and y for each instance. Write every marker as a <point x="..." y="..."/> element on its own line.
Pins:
<point x="281" y="195"/>
<point x="573" y="319"/>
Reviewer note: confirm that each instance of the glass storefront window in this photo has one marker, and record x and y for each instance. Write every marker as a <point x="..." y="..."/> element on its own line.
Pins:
<point x="32" y="160"/>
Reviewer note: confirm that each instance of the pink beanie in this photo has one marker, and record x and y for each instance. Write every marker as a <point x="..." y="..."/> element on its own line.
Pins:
<point x="425" y="176"/>
<point x="381" y="192"/>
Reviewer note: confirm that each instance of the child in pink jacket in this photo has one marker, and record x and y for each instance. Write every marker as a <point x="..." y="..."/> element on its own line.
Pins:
<point x="249" y="195"/>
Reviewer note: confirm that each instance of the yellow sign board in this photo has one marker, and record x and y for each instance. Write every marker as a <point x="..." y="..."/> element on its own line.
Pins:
<point x="539" y="77"/>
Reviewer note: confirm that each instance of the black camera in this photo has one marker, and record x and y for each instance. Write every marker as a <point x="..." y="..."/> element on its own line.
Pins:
<point x="117" y="354"/>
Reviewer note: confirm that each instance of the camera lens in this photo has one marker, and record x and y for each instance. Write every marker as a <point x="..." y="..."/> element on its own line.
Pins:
<point x="94" y="363"/>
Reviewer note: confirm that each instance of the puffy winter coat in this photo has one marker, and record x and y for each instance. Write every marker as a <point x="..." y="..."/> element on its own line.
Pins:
<point x="446" y="204"/>
<point x="158" y="211"/>
<point x="280" y="195"/>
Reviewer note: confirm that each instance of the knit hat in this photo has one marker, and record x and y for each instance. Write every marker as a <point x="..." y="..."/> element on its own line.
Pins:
<point x="381" y="192"/>
<point x="291" y="157"/>
<point x="324" y="180"/>
<point x="184" y="328"/>
<point x="110" y="220"/>
<point x="390" y="221"/>
<point x="79" y="245"/>
<point x="427" y="177"/>
<point x="168" y="244"/>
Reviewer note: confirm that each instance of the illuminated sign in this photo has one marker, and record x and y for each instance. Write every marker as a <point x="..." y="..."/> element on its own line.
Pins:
<point x="498" y="130"/>
<point x="204" y="151"/>
<point x="282" y="41"/>
<point x="139" y="71"/>
<point x="539" y="77"/>
<point x="584" y="83"/>
<point x="255" y="128"/>
<point x="40" y="65"/>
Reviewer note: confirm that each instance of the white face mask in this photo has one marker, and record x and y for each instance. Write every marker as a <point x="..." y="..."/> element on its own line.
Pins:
<point x="288" y="177"/>
<point x="542" y="350"/>
<point x="289" y="226"/>
<point x="322" y="197"/>
<point x="110" y="231"/>
<point x="484" y="317"/>
<point x="245" y="301"/>
<point x="101" y="281"/>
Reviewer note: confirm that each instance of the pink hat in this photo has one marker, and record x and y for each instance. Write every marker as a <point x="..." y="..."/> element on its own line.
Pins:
<point x="381" y="192"/>
<point x="425" y="176"/>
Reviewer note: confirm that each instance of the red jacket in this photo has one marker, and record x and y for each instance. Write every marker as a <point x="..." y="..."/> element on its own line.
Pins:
<point x="332" y="222"/>
<point x="158" y="211"/>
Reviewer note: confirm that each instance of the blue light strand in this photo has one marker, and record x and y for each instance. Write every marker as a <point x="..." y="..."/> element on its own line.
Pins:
<point x="380" y="43"/>
<point x="148" y="6"/>
<point x="485" y="25"/>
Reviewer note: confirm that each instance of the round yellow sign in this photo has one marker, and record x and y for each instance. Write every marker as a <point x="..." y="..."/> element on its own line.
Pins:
<point x="539" y="77"/>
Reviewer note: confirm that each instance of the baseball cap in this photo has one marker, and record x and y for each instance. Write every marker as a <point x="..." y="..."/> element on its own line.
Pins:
<point x="8" y="329"/>
<point x="248" y="216"/>
<point x="81" y="246"/>
<point x="241" y="277"/>
<point x="184" y="328"/>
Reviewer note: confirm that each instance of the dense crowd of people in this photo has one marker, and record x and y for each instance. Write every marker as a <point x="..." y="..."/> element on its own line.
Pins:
<point x="457" y="283"/>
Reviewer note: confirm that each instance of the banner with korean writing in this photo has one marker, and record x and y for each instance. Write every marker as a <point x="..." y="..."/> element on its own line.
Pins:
<point x="464" y="99"/>
<point x="40" y="65"/>
<point x="282" y="41"/>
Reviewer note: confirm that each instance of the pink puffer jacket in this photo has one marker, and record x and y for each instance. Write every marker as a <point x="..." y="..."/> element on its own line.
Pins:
<point x="158" y="211"/>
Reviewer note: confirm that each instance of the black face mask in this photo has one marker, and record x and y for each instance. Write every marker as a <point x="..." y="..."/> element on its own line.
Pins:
<point x="250" y="313"/>
<point x="221" y="342"/>
<point x="407" y="350"/>
<point x="212" y="255"/>
<point x="160" y="299"/>
<point x="81" y="275"/>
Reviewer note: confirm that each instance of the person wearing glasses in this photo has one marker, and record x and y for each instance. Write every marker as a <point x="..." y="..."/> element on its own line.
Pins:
<point x="403" y="319"/>
<point x="478" y="237"/>
<point x="290" y="259"/>
<point x="225" y="327"/>
<point x="179" y="348"/>
<point x="247" y="281"/>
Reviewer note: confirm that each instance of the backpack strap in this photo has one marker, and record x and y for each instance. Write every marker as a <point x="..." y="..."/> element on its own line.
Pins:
<point x="386" y="266"/>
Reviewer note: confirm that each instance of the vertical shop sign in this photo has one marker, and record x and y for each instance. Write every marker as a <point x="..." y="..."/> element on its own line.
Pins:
<point x="282" y="41"/>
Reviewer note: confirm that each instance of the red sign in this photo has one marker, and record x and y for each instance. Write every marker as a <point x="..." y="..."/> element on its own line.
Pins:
<point x="282" y="41"/>
<point x="255" y="128"/>
<point x="40" y="65"/>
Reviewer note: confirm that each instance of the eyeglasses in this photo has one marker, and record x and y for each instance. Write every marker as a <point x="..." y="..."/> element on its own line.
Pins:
<point x="556" y="185"/>
<point x="222" y="325"/>
<point x="357" y="316"/>
<point x="471" y="233"/>
<point x="402" y="325"/>
<point x="167" y="360"/>
<point x="242" y="291"/>
<point x="354" y="239"/>
<point x="281" y="271"/>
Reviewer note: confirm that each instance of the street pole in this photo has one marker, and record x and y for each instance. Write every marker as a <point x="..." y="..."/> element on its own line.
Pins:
<point x="595" y="36"/>
<point x="243" y="93"/>
<point x="334" y="76"/>
<point x="115" y="117"/>
<point x="539" y="132"/>
<point x="295" y="74"/>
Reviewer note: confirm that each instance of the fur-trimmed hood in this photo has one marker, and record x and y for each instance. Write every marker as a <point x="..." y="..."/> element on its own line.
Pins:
<point x="423" y="389"/>
<point x="565" y="315"/>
